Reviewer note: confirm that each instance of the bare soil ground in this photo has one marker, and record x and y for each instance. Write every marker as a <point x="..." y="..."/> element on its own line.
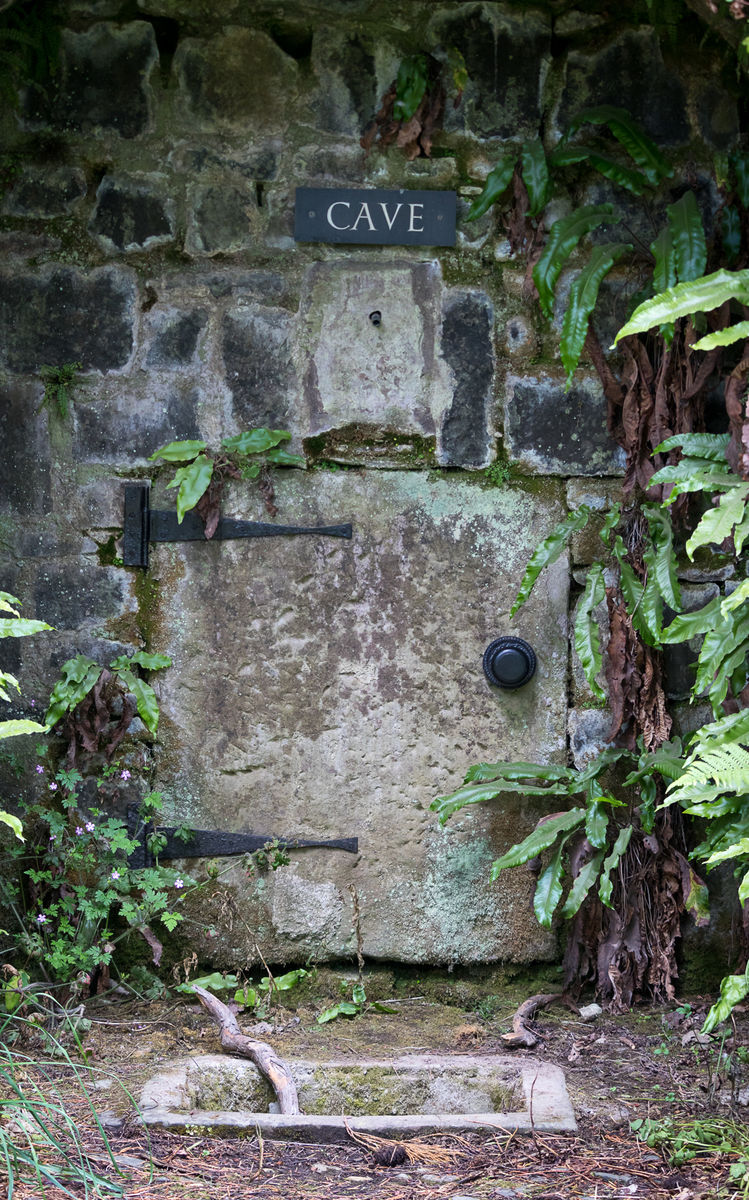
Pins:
<point x="646" y="1064"/>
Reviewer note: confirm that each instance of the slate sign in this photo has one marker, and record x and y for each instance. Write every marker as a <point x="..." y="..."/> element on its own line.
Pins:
<point x="373" y="216"/>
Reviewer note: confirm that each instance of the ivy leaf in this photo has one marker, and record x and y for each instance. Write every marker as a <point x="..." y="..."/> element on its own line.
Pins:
<point x="549" y="889"/>
<point x="540" y="839"/>
<point x="192" y="481"/>
<point x="693" y="624"/>
<point x="643" y="611"/>
<point x="479" y="793"/>
<point x="549" y="550"/>
<point x="638" y="145"/>
<point x="78" y="675"/>
<point x="611" y="862"/>
<point x="736" y="599"/>
<point x="625" y="177"/>
<point x="535" y="175"/>
<point x="497" y="182"/>
<point x="698" y="445"/>
<point x="688" y="237"/>
<point x="584" y="881"/>
<point x="281" y="457"/>
<point x="21" y="627"/>
<point x="582" y="301"/>
<point x="410" y="86"/>
<point x="596" y="823"/>
<point x="14" y="824"/>
<point x="723" y="337"/>
<point x="179" y="452"/>
<point x="150" y="662"/>
<point x="587" y="634"/>
<point x="730" y="232"/>
<point x="699" y="295"/>
<point x="733" y="989"/>
<point x="664" y="271"/>
<point x="546" y="772"/>
<point x="663" y="559"/>
<point x="718" y="522"/>
<point x="145" y="699"/>
<point x="563" y="238"/>
<point x="254" y="441"/>
<point x="14" y="728"/>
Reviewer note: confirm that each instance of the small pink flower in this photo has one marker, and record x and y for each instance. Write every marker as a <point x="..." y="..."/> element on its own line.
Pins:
<point x="179" y="883"/>
<point x="39" y="769"/>
<point x="79" y="831"/>
<point x="53" y="837"/>
<point x="125" y="774"/>
<point x="53" y="787"/>
<point x="33" y="703"/>
<point x="90" y="827"/>
<point x="115" y="874"/>
<point x="41" y="919"/>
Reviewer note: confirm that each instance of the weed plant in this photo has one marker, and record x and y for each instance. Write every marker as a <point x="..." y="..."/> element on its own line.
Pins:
<point x="42" y="1143"/>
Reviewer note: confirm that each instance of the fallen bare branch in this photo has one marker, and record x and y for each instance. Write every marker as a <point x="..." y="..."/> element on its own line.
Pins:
<point x="264" y="1057"/>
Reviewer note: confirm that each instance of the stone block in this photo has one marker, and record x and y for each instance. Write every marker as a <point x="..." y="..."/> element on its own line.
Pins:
<point x="324" y="166"/>
<point x="268" y="287"/>
<point x="600" y="495"/>
<point x="717" y="115"/>
<point x="507" y="54"/>
<point x="40" y="658"/>
<point x="582" y="693"/>
<point x="132" y="214"/>
<point x="174" y="337"/>
<point x="135" y="421"/>
<point x="466" y="437"/>
<point x="357" y="372"/>
<point x="680" y="660"/>
<point x="345" y="689"/>
<point x="76" y="593"/>
<point x="615" y="74"/>
<point x="254" y="162"/>
<point x="24" y="436"/>
<point x="223" y="218"/>
<point x="61" y="315"/>
<point x="344" y="63"/>
<point x="256" y="347"/>
<point x="588" y="730"/>
<point x="45" y="193"/>
<point x="239" y="78"/>
<point x="552" y="432"/>
<point x="103" y="81"/>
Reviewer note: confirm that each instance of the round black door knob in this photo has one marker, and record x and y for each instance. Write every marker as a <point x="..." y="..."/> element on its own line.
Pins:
<point x="509" y="662"/>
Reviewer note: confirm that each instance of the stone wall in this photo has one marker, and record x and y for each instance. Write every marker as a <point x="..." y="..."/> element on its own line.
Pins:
<point x="319" y="687"/>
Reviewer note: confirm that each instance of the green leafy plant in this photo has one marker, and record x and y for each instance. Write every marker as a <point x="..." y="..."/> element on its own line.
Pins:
<point x="58" y="382"/>
<point x="73" y="894"/>
<point x="29" y="47"/>
<point x="412" y="108"/>
<point x="15" y="626"/>
<point x="94" y="706"/>
<point x="201" y="475"/>
<point x="681" y="1140"/>
<point x="677" y="255"/>
<point x="41" y="1141"/>
<point x="613" y="821"/>
<point x="354" y="1007"/>
<point x="255" y="997"/>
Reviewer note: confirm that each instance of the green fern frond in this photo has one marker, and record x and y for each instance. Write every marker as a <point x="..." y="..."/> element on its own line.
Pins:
<point x="710" y="773"/>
